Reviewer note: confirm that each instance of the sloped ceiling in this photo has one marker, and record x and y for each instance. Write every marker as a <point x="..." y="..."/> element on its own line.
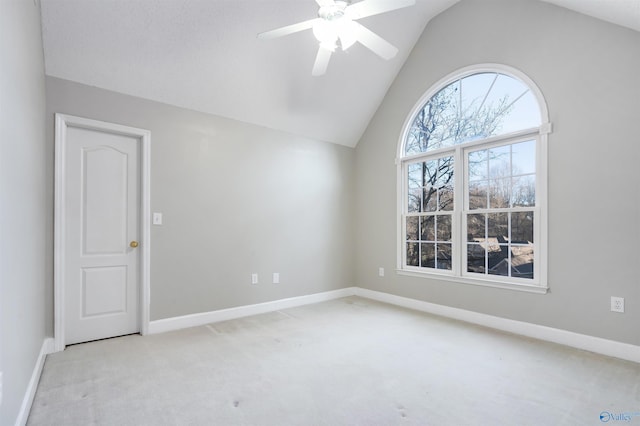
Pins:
<point x="620" y="12"/>
<point x="204" y="55"/>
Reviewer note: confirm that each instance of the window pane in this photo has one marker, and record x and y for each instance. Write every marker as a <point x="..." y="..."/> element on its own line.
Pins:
<point x="478" y="165"/>
<point x="522" y="261"/>
<point x="428" y="258"/>
<point x="430" y="172"/>
<point x="472" y="108"/>
<point x="499" y="193"/>
<point x="521" y="114"/>
<point x="500" y="162"/>
<point x="475" y="258"/>
<point x="476" y="87"/>
<point x="412" y="143"/>
<point x="478" y="195"/>
<point x="445" y="197"/>
<point x="427" y="228"/>
<point x="476" y="228"/>
<point x="415" y="175"/>
<point x="523" y="158"/>
<point x="414" y="200"/>
<point x="444" y="256"/>
<point x="498" y="227"/>
<point x="522" y="228"/>
<point x="412" y="254"/>
<point x="497" y="250"/>
<point x="524" y="114"/>
<point x="498" y="261"/>
<point x="430" y="199"/>
<point x="523" y="193"/>
<point x="445" y="171"/>
<point x="412" y="228"/>
<point x="444" y="228"/>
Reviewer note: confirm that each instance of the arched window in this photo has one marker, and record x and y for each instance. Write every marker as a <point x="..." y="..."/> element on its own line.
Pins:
<point x="472" y="168"/>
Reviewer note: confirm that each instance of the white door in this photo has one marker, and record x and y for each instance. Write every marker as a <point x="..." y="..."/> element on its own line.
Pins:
<point x="101" y="234"/>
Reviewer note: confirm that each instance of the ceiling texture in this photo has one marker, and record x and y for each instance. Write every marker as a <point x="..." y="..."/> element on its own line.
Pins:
<point x="204" y="55"/>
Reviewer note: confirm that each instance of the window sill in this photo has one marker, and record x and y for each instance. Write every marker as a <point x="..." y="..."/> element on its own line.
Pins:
<point x="527" y="288"/>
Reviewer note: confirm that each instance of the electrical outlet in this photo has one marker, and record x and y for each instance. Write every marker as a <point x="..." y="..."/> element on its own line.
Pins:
<point x="276" y="278"/>
<point x="617" y="304"/>
<point x="381" y="272"/>
<point x="254" y="278"/>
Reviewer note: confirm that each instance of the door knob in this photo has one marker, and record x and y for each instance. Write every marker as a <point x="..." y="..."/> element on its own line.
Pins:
<point x="133" y="244"/>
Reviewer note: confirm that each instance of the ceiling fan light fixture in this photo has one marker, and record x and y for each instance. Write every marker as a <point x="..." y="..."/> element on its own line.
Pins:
<point x="347" y="33"/>
<point x="325" y="32"/>
<point x="329" y="32"/>
<point x="334" y="25"/>
<point x="337" y="24"/>
<point x="329" y="46"/>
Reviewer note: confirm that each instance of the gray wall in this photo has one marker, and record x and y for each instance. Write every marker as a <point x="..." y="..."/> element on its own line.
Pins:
<point x="236" y="199"/>
<point x="588" y="70"/>
<point x="23" y="209"/>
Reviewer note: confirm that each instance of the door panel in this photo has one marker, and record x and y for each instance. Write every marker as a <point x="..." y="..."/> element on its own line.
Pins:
<point x="102" y="181"/>
<point x="104" y="291"/>
<point x="104" y="204"/>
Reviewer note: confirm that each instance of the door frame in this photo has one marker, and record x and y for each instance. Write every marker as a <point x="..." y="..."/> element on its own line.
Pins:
<point x="62" y="123"/>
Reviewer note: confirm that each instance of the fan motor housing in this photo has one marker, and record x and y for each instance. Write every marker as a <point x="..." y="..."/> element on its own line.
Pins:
<point x="333" y="11"/>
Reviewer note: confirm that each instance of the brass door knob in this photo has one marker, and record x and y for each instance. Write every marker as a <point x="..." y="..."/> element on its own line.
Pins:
<point x="133" y="244"/>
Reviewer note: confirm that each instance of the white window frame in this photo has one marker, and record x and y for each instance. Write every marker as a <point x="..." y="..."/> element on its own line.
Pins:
<point x="458" y="274"/>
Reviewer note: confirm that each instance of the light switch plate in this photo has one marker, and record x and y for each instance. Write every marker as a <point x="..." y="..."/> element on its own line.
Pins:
<point x="157" y="218"/>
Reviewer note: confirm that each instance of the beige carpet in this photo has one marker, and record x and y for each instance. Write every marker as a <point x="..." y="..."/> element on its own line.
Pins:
<point x="350" y="361"/>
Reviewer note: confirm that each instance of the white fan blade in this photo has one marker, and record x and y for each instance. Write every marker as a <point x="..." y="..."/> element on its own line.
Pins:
<point x="322" y="62"/>
<point x="322" y="3"/>
<point x="374" y="42"/>
<point x="289" y="29"/>
<point x="366" y="8"/>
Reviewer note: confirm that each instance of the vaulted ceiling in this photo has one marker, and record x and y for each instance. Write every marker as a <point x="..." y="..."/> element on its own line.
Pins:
<point x="204" y="55"/>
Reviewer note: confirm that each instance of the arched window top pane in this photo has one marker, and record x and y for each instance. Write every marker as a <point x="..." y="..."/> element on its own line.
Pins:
<point x="474" y="107"/>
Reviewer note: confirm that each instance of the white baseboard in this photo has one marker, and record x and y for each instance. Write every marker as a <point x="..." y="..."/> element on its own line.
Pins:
<point x="46" y="348"/>
<point x="568" y="338"/>
<point x="194" y="320"/>
<point x="580" y="341"/>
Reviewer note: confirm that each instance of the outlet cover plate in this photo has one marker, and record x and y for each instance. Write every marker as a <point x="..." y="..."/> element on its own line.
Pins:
<point x="617" y="304"/>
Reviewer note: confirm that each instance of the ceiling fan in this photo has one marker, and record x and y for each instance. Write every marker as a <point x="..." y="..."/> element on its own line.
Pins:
<point x="336" y="25"/>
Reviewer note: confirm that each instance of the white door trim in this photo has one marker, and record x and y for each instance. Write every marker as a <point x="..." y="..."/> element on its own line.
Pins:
<point x="64" y="121"/>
